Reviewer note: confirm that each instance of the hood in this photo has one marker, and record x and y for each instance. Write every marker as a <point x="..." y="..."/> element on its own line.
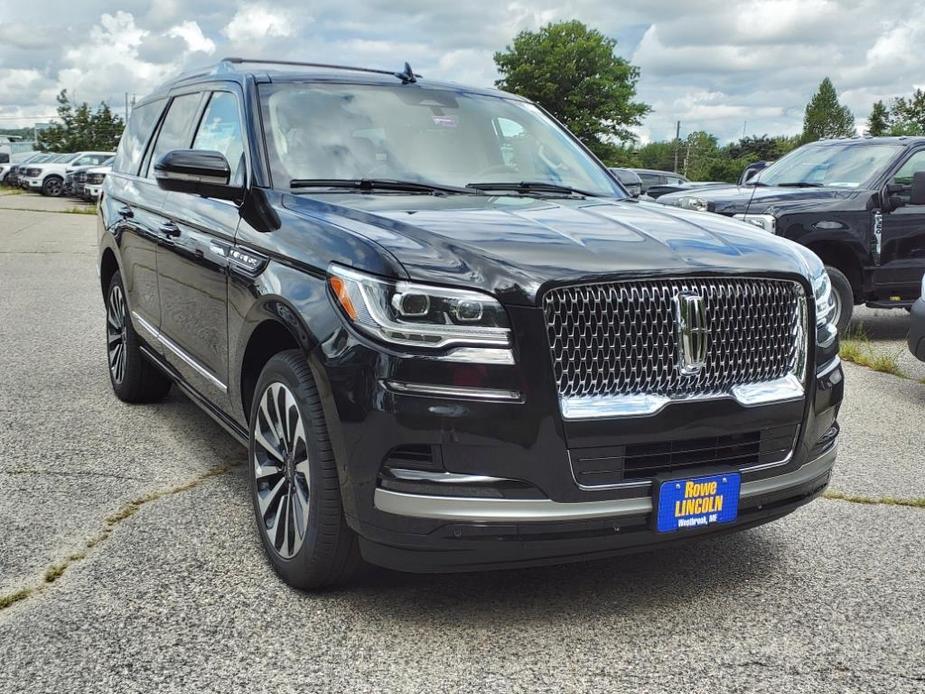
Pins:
<point x="730" y="200"/>
<point x="514" y="246"/>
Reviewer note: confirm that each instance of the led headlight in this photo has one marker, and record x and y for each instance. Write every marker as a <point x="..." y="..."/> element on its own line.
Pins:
<point x="763" y="221"/>
<point x="408" y="314"/>
<point x="826" y="326"/>
<point x="692" y="203"/>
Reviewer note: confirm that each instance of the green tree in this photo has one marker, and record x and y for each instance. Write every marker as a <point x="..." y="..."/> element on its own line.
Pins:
<point x="81" y="128"/>
<point x="825" y="117"/>
<point x="907" y="115"/>
<point x="879" y="121"/>
<point x="571" y="70"/>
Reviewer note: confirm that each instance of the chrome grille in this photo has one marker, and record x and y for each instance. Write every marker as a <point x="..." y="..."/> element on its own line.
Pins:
<point x="619" y="338"/>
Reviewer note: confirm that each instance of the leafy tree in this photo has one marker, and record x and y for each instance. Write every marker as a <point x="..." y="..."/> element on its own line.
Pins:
<point x="756" y="148"/>
<point x="879" y="121"/>
<point x="571" y="70"/>
<point x="81" y="128"/>
<point x="700" y="149"/>
<point x="825" y="117"/>
<point x="657" y="155"/>
<point x="907" y="116"/>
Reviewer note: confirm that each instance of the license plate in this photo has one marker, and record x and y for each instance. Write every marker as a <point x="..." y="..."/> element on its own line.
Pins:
<point x="697" y="502"/>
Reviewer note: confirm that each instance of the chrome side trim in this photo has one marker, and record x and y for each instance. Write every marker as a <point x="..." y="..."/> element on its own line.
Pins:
<point x="456" y="392"/>
<point x="479" y="510"/>
<point x="477" y="355"/>
<point x="443" y="477"/>
<point x="782" y="389"/>
<point x="828" y="368"/>
<point x="169" y="344"/>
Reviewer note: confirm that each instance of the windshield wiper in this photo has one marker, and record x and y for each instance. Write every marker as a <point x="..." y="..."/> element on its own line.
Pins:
<point x="799" y="184"/>
<point x="532" y="187"/>
<point x="369" y="184"/>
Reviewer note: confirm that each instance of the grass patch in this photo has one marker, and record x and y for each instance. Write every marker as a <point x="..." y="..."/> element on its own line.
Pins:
<point x="13" y="191"/>
<point x="80" y="209"/>
<point x="11" y="598"/>
<point x="874" y="500"/>
<point x="856" y="347"/>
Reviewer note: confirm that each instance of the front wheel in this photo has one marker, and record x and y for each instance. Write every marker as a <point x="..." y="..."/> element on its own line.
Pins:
<point x="53" y="187"/>
<point x="844" y="298"/>
<point x="294" y="483"/>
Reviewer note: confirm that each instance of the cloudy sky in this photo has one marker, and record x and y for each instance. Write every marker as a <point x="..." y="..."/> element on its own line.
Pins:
<point x="717" y="65"/>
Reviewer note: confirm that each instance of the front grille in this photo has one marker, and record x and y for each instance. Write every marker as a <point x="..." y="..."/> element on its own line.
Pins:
<point x="32" y="173"/>
<point x="81" y="177"/>
<point x="641" y="461"/>
<point x="619" y="338"/>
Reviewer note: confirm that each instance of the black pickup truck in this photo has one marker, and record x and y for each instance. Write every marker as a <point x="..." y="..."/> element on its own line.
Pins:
<point x="858" y="203"/>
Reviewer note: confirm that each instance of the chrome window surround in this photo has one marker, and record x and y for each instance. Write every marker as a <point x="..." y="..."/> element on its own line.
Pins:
<point x="640" y="375"/>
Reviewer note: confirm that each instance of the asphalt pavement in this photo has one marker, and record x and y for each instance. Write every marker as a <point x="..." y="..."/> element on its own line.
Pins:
<point x="129" y="561"/>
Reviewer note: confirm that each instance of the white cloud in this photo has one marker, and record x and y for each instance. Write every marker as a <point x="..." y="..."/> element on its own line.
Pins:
<point x="190" y="32"/>
<point x="255" y="22"/>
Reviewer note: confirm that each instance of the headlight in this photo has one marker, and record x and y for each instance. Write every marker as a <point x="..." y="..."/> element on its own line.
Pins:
<point x="763" y="221"/>
<point x="692" y="203"/>
<point x="408" y="314"/>
<point x="826" y="328"/>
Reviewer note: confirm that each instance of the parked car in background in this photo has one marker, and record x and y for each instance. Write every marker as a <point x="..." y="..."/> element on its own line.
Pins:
<point x="48" y="178"/>
<point x="655" y="192"/>
<point x="858" y="203"/>
<point x="752" y="169"/>
<point x="654" y="177"/>
<point x="92" y="183"/>
<point x="12" y="175"/>
<point x="629" y="179"/>
<point x="76" y="180"/>
<point x="916" y="337"/>
<point x="456" y="362"/>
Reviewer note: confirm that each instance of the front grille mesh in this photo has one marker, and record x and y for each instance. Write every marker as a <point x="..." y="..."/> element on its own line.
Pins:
<point x="619" y="338"/>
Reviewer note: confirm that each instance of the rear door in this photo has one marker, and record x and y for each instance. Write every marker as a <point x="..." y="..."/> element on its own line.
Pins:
<point x="192" y="262"/>
<point x="127" y="211"/>
<point x="898" y="274"/>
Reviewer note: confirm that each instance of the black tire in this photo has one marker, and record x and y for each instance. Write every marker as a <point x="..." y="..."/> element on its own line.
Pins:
<point x="327" y="553"/>
<point x="134" y="379"/>
<point x="53" y="186"/>
<point x="844" y="298"/>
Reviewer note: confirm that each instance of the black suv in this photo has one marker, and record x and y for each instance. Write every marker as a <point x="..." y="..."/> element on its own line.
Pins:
<point x="859" y="204"/>
<point x="447" y="337"/>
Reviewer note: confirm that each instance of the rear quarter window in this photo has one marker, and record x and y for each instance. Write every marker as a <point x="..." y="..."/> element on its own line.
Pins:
<point x="136" y="136"/>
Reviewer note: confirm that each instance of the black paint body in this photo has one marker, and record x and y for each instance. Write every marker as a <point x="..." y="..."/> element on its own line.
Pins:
<point x="174" y="252"/>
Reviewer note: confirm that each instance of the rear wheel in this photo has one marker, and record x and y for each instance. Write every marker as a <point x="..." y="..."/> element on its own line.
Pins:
<point x="844" y="298"/>
<point x="294" y="483"/>
<point x="53" y="186"/>
<point x="134" y="379"/>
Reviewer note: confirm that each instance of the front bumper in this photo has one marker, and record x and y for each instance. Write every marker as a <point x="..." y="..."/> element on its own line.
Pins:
<point x="30" y="183"/>
<point x="916" y="339"/>
<point x="92" y="192"/>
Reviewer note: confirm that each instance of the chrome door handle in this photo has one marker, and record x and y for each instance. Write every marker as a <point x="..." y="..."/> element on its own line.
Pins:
<point x="169" y="229"/>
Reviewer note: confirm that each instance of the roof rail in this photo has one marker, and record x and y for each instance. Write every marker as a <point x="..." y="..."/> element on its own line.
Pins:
<point x="406" y="75"/>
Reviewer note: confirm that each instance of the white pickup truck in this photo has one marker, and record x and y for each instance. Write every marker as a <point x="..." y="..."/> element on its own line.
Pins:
<point x="48" y="178"/>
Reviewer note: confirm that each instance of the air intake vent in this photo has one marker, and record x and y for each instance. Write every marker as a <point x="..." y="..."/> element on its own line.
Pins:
<point x="415" y="457"/>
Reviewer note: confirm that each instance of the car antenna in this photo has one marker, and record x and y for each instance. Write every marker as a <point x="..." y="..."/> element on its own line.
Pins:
<point x="407" y="75"/>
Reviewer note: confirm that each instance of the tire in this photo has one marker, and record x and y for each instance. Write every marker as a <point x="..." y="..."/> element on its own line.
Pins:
<point x="293" y="480"/>
<point x="134" y="379"/>
<point x="844" y="298"/>
<point x="53" y="186"/>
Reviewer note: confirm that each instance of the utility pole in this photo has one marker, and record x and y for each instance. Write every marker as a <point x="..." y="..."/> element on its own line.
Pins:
<point x="677" y="145"/>
<point x="126" y="108"/>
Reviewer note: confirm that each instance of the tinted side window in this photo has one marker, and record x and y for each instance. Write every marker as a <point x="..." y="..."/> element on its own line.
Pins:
<point x="914" y="164"/>
<point x="136" y="136"/>
<point x="177" y="129"/>
<point x="220" y="130"/>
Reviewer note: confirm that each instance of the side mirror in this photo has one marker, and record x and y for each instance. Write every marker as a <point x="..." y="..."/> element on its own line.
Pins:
<point x="200" y="172"/>
<point x="917" y="195"/>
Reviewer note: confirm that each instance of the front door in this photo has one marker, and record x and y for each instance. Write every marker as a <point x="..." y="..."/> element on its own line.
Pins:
<point x="192" y="261"/>
<point x="898" y="274"/>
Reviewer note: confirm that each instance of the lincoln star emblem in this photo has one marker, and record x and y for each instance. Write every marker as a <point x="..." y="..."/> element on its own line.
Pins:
<point x="692" y="332"/>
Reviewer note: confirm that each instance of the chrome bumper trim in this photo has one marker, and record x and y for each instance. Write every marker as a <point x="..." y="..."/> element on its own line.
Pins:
<point x="167" y="343"/>
<point x="443" y="477"/>
<point x="478" y="510"/>
<point x="455" y="392"/>
<point x="748" y="395"/>
<point x="828" y="368"/>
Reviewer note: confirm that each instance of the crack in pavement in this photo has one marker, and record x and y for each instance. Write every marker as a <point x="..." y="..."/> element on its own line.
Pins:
<point x="56" y="570"/>
<point x="874" y="500"/>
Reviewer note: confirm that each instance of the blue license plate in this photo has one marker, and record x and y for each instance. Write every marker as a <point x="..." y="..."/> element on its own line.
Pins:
<point x="698" y="502"/>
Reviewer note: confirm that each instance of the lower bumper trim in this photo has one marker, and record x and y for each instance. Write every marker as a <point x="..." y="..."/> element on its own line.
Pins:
<point x="481" y="510"/>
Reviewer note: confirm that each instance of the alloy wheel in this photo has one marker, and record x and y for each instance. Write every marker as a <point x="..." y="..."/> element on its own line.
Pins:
<point x="280" y="462"/>
<point x="115" y="333"/>
<point x="54" y="187"/>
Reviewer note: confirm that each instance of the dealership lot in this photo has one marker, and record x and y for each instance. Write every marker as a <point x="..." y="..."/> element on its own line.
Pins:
<point x="174" y="593"/>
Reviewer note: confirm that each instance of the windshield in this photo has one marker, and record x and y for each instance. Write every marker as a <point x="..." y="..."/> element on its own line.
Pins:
<point x="413" y="133"/>
<point x="844" y="166"/>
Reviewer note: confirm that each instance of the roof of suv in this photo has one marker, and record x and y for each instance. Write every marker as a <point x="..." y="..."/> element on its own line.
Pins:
<point x="239" y="69"/>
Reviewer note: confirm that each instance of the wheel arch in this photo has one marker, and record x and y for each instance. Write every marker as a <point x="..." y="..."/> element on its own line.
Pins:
<point x="270" y="337"/>
<point x="109" y="266"/>
<point x="841" y="256"/>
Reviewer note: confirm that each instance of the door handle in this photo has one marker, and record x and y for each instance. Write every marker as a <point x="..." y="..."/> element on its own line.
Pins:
<point x="126" y="212"/>
<point x="169" y="229"/>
